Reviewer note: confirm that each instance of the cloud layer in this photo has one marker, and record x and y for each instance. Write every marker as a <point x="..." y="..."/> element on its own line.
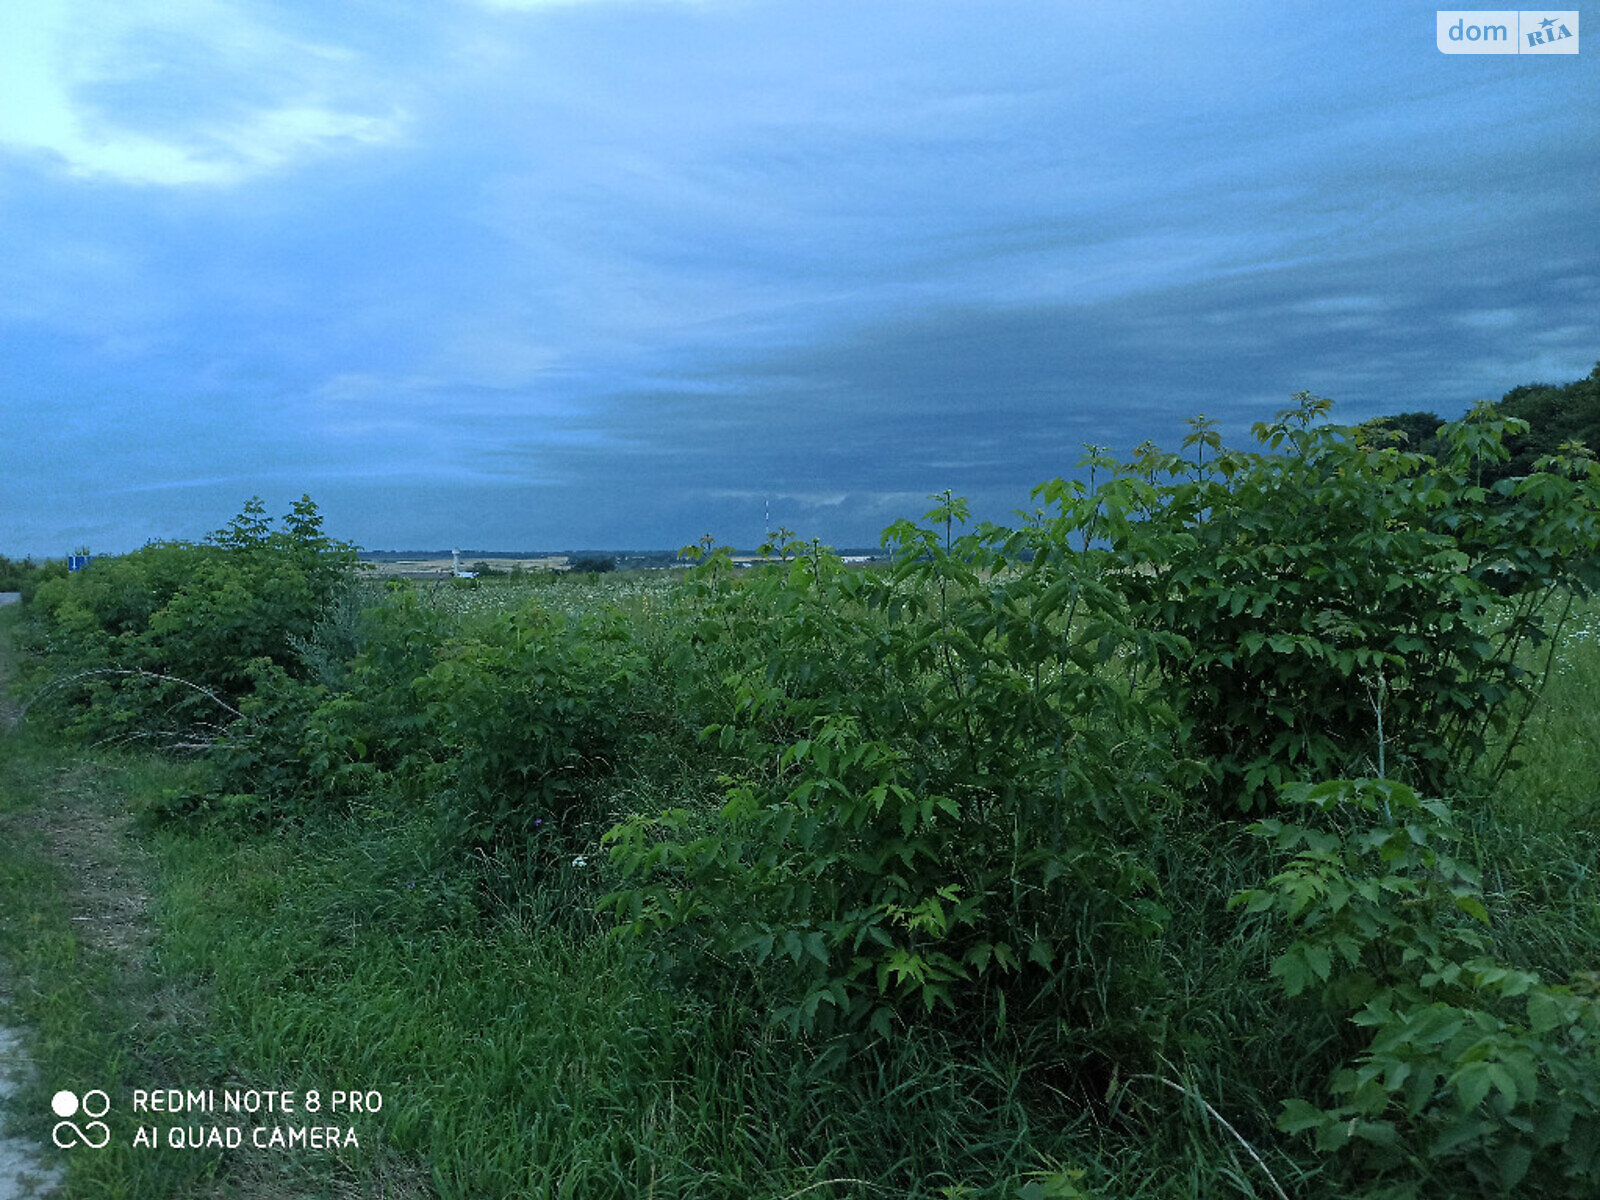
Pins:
<point x="612" y="273"/>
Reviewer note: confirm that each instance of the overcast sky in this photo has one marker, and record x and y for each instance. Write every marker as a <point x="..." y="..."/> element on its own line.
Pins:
<point x="519" y="274"/>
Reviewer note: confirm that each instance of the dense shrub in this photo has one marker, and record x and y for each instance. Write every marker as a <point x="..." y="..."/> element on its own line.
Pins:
<point x="163" y="643"/>
<point x="1348" y="608"/>
<point x="1476" y="1078"/>
<point x="501" y="729"/>
<point x="24" y="575"/>
<point x="944" y="787"/>
<point x="354" y="730"/>
<point x="529" y="713"/>
<point x="950" y="769"/>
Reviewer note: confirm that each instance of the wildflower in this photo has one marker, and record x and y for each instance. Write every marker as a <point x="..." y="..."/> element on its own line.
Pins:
<point x="580" y="861"/>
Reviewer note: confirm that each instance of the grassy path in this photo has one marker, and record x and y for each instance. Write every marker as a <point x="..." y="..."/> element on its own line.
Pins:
<point x="75" y="940"/>
<point x="22" y="1171"/>
<point x="85" y="1000"/>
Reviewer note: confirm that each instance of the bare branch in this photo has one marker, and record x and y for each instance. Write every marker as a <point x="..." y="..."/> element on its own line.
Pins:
<point x="67" y="679"/>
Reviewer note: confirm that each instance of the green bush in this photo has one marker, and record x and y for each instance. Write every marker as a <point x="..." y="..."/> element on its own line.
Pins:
<point x="529" y="713"/>
<point x="943" y="787"/>
<point x="942" y="802"/>
<point x="1476" y="1078"/>
<point x="354" y="731"/>
<point x="1347" y="608"/>
<point x="163" y="643"/>
<point x="25" y="575"/>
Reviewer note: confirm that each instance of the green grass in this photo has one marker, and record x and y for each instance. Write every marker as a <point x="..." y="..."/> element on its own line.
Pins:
<point x="519" y="1052"/>
<point x="631" y="591"/>
<point x="78" y="978"/>
<point x="513" y="1060"/>
<point x="1558" y="781"/>
<point x="516" y="1061"/>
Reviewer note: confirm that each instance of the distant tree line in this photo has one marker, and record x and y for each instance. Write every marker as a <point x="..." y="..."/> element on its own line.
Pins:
<point x="1555" y="414"/>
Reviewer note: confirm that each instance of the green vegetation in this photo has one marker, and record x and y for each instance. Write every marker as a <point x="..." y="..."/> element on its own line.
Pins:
<point x="1555" y="415"/>
<point x="24" y="575"/>
<point x="1202" y="835"/>
<point x="160" y="644"/>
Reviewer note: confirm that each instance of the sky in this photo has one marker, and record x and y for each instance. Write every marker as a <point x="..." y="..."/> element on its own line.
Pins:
<point x="549" y="274"/>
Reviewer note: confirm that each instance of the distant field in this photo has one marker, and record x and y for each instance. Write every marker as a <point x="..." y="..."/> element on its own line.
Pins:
<point x="434" y="564"/>
<point x="635" y="592"/>
<point x="440" y="567"/>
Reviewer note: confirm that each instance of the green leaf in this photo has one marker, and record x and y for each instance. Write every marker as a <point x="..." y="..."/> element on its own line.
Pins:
<point x="792" y="946"/>
<point x="1503" y="1083"/>
<point x="817" y="946"/>
<point x="1473" y="907"/>
<point x="1299" y="1115"/>
<point x="1290" y="969"/>
<point x="1545" y="1012"/>
<point x="1514" y="1161"/>
<point x="1471" y="1083"/>
<point x="1040" y="952"/>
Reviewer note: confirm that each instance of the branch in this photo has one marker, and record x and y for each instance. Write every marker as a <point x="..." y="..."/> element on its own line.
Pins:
<point x="64" y="680"/>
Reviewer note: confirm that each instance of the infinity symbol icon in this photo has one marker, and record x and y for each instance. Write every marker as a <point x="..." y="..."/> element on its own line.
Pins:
<point x="83" y="1134"/>
<point x="67" y="1105"/>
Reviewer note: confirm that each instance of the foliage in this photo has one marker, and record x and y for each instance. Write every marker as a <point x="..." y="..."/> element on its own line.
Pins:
<point x="1477" y="1078"/>
<point x="528" y="714"/>
<point x="24" y="575"/>
<point x="1550" y="416"/>
<point x="1347" y="608"/>
<point x="354" y="731"/>
<point x="1555" y="415"/>
<point x="164" y="642"/>
<point x="943" y="786"/>
<point x="975" y="815"/>
<point x="1414" y="431"/>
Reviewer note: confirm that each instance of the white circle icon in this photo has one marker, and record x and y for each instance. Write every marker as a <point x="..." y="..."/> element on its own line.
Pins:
<point x="96" y="1134"/>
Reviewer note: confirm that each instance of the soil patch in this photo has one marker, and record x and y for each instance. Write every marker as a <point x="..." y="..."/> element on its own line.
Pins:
<point x="97" y="848"/>
<point x="22" y="1176"/>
